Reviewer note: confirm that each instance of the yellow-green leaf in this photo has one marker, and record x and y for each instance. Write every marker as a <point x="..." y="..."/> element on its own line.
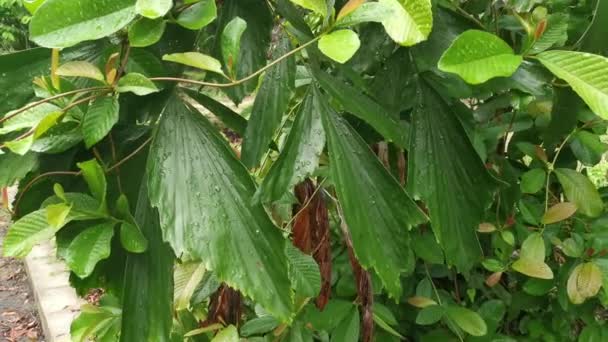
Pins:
<point x="559" y="212"/>
<point x="531" y="268"/>
<point x="584" y="282"/>
<point x="196" y="60"/>
<point x="80" y="69"/>
<point x="56" y="214"/>
<point x="410" y="21"/>
<point x="340" y="45"/>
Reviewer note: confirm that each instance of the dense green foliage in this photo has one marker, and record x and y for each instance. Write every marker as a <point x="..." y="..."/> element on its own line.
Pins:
<point x="314" y="170"/>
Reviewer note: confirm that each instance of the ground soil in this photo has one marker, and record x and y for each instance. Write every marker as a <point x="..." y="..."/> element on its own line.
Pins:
<point x="18" y="318"/>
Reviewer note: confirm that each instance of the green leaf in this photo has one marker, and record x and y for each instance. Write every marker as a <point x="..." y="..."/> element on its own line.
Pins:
<point x="80" y="69"/>
<point x="430" y="315"/>
<point x="203" y="193"/>
<point x="31" y="229"/>
<point x="186" y="277"/>
<point x="348" y="329"/>
<point x="317" y="6"/>
<point x="366" y="12"/>
<point x="558" y="212"/>
<point x="339" y="45"/>
<point x="153" y="8"/>
<point x="584" y="282"/>
<point x="359" y="104"/>
<point x="198" y="15"/>
<point x="89" y="247"/>
<point x="533" y="181"/>
<point x="47" y="123"/>
<point x="231" y="44"/>
<point x="300" y="155"/>
<point x="447" y="173"/>
<point x="410" y="22"/>
<point x="99" y="322"/>
<point x="145" y="32"/>
<point x="101" y="116"/>
<point x="21" y="146"/>
<point x="588" y="148"/>
<point x="574" y="246"/>
<point x="583" y="72"/>
<point x="57" y="214"/>
<point x="15" y="167"/>
<point x="580" y="191"/>
<point x="59" y="23"/>
<point x="148" y="275"/>
<point x="271" y="102"/>
<point x="18" y="70"/>
<point x="426" y="247"/>
<point x="32" y="5"/>
<point x="531" y="260"/>
<point x="303" y="271"/>
<point x="533" y="248"/>
<point x="556" y="33"/>
<point x="367" y="192"/>
<point x="467" y="320"/>
<point x="228" y="334"/>
<point x="196" y="60"/>
<point x="96" y="180"/>
<point x="132" y="239"/>
<point x="29" y="118"/>
<point x="478" y="56"/>
<point x="259" y="325"/>
<point x="230" y="118"/>
<point x="137" y="84"/>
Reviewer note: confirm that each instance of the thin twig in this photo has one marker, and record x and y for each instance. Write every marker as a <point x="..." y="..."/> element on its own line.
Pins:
<point x="48" y="99"/>
<point x="242" y="80"/>
<point x="131" y="155"/>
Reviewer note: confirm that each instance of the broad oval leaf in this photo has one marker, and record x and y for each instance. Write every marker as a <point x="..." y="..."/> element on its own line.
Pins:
<point x="430" y="315"/>
<point x="198" y="15"/>
<point x="136" y="83"/>
<point x="80" y="69"/>
<point x="88" y="248"/>
<point x="559" y="212"/>
<point x="533" y="181"/>
<point x="153" y="8"/>
<point x="145" y="32"/>
<point x="584" y="282"/>
<point x="132" y="238"/>
<point x="300" y="155"/>
<point x="196" y="60"/>
<point x="580" y="191"/>
<point x="556" y="33"/>
<point x="367" y="192"/>
<point x="467" y="320"/>
<point x="447" y="173"/>
<point x="29" y="118"/>
<point x="14" y="167"/>
<point x="203" y="193"/>
<point x="59" y="23"/>
<point x="584" y="73"/>
<point x="259" y="325"/>
<point x="410" y="21"/>
<point x="31" y="229"/>
<point x="101" y="116"/>
<point x="421" y="302"/>
<point x="271" y="103"/>
<point x="532" y="268"/>
<point x="340" y="45"/>
<point x="317" y="6"/>
<point x="56" y="215"/>
<point x="533" y="248"/>
<point x="228" y="334"/>
<point x="231" y="43"/>
<point x="478" y="56"/>
<point x="303" y="271"/>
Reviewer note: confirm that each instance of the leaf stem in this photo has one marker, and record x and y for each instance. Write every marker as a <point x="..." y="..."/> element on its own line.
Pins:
<point x="242" y="80"/>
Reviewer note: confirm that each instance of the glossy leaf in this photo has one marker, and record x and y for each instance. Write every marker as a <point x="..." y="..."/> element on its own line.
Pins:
<point x="556" y="33"/>
<point x="28" y="119"/>
<point x="365" y="12"/>
<point x="14" y="167"/>
<point x="89" y="247"/>
<point x="533" y="181"/>
<point x="153" y="8"/>
<point x="259" y="325"/>
<point x="56" y="215"/>
<point x="367" y="192"/>
<point x="584" y="282"/>
<point x="231" y="43"/>
<point x="196" y="60"/>
<point x="186" y="277"/>
<point x="430" y="315"/>
<point x="80" y="69"/>
<point x="580" y="191"/>
<point x="303" y="271"/>
<point x="317" y="6"/>
<point x="467" y="320"/>
<point x="145" y="32"/>
<point x="478" y="56"/>
<point x="340" y="45"/>
<point x="137" y="84"/>
<point x="300" y="155"/>
<point x="132" y="238"/>
<point x="215" y="208"/>
<point x="230" y="118"/>
<point x="410" y="22"/>
<point x="583" y="71"/>
<point x="271" y="103"/>
<point x="31" y="229"/>
<point x="60" y="24"/>
<point x="359" y="104"/>
<point x="94" y="176"/>
<point x="446" y="172"/>
<point x="100" y="322"/>
<point x="198" y="15"/>
<point x="101" y="116"/>
<point x="558" y="212"/>
<point x="148" y="275"/>
<point x="588" y="148"/>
